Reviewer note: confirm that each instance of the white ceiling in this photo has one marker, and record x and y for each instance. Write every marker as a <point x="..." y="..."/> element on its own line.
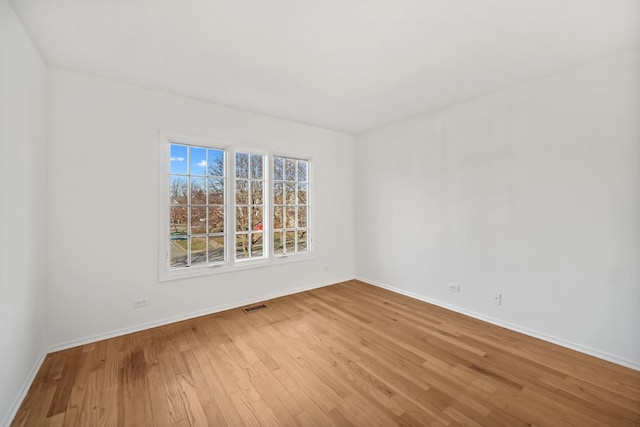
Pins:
<point x="349" y="65"/>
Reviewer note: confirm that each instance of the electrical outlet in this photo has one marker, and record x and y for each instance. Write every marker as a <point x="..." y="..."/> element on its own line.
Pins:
<point x="141" y="302"/>
<point x="496" y="298"/>
<point x="453" y="287"/>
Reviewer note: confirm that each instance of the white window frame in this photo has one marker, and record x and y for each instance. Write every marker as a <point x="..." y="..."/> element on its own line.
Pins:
<point x="165" y="273"/>
<point x="286" y="254"/>
<point x="266" y="194"/>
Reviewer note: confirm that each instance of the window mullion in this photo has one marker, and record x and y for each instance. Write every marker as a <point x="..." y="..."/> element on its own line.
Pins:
<point x="206" y="210"/>
<point x="189" y="207"/>
<point x="231" y="204"/>
<point x="250" y="209"/>
<point x="296" y="207"/>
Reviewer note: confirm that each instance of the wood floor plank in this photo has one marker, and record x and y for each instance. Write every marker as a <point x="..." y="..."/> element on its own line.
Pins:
<point x="349" y="354"/>
<point x="220" y="400"/>
<point x="63" y="390"/>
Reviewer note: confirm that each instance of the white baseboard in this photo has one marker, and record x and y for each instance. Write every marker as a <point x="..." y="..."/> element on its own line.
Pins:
<point x="148" y="325"/>
<point x="517" y="328"/>
<point x="13" y="410"/>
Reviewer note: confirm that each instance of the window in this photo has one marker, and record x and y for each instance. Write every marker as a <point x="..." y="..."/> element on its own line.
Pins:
<point x="290" y="205"/>
<point x="249" y="205"/>
<point x="225" y="208"/>
<point x="196" y="205"/>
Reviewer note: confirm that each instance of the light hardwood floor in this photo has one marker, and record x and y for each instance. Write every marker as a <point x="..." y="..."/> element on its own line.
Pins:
<point x="347" y="354"/>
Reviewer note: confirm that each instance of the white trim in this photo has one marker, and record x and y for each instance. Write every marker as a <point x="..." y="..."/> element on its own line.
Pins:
<point x="511" y="326"/>
<point x="239" y="265"/>
<point x="13" y="409"/>
<point x="180" y="317"/>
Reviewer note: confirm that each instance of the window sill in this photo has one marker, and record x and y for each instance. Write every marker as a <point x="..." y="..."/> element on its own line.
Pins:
<point x="187" y="273"/>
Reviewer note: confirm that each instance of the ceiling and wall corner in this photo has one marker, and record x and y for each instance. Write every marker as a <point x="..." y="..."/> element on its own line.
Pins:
<point x="348" y="65"/>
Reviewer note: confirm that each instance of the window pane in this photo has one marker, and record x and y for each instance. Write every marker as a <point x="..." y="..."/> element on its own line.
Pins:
<point x="242" y="165"/>
<point x="216" y="163"/>
<point x="278" y="212"/>
<point x="216" y="191"/>
<point x="302" y="170"/>
<point x="256" y="218"/>
<point x="179" y="190"/>
<point x="242" y="192"/>
<point x="256" y="166"/>
<point x="290" y="170"/>
<point x="242" y="246"/>
<point x="178" y="220"/>
<point x="302" y="217"/>
<point x="216" y="219"/>
<point x="197" y="205"/>
<point x="278" y="166"/>
<point x="256" y="245"/>
<point x="178" y="159"/>
<point x="302" y="240"/>
<point x="257" y="192"/>
<point x="291" y="217"/>
<point x="290" y="240"/>
<point x="242" y="218"/>
<point x="277" y="242"/>
<point x="178" y="251"/>
<point x="277" y="194"/>
<point x="198" y="251"/>
<point x="302" y="194"/>
<point x="198" y="220"/>
<point x="198" y="160"/>
<point x="290" y="193"/>
<point x="216" y="249"/>
<point x="198" y="191"/>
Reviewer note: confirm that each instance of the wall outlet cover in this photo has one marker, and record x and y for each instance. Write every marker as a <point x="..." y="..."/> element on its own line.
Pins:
<point x="140" y="302"/>
<point x="496" y="298"/>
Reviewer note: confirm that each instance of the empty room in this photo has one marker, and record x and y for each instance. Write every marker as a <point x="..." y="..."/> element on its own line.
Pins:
<point x="320" y="213"/>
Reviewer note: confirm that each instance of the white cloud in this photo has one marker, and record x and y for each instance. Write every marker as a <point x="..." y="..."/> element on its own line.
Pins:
<point x="202" y="163"/>
<point x="177" y="159"/>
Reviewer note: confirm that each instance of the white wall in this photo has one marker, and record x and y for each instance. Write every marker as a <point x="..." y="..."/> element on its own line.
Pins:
<point x="103" y="171"/>
<point x="22" y="136"/>
<point x="533" y="192"/>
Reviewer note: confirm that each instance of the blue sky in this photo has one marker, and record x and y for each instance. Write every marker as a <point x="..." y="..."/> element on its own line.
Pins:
<point x="183" y="156"/>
